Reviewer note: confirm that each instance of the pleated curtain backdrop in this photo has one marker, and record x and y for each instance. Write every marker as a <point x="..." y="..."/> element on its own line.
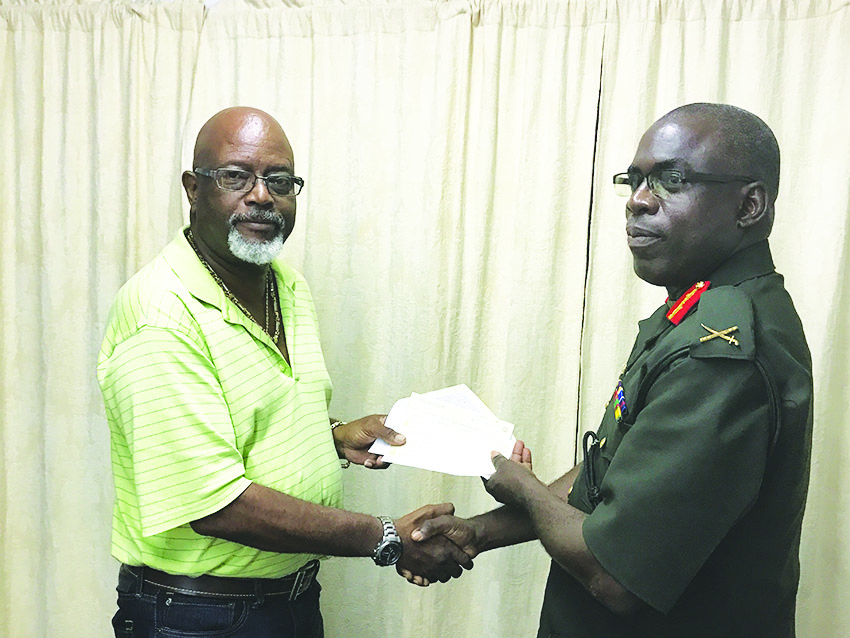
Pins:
<point x="457" y="226"/>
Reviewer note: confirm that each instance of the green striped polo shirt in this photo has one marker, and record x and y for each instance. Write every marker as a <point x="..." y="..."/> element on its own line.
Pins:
<point x="200" y="404"/>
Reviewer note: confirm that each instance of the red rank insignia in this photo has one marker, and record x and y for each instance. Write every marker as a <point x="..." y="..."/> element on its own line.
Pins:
<point x="686" y="302"/>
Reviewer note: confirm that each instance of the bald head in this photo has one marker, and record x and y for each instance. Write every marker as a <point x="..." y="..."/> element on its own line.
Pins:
<point x="237" y="125"/>
<point x="240" y="189"/>
<point x="742" y="143"/>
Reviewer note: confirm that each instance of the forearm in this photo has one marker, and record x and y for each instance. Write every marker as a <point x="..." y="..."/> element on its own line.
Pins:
<point x="502" y="527"/>
<point x="557" y="525"/>
<point x="272" y="521"/>
<point x="507" y="526"/>
<point x="561" y="487"/>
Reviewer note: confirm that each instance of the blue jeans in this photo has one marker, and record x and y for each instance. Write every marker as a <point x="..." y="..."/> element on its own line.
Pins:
<point x="150" y="611"/>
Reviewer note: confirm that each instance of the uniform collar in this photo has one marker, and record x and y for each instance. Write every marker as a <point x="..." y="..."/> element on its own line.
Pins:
<point x="747" y="263"/>
<point x="753" y="261"/>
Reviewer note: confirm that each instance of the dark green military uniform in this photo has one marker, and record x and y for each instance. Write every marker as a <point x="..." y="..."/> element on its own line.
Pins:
<point x="702" y="481"/>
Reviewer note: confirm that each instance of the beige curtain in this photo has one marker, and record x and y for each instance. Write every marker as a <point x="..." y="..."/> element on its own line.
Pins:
<point x="457" y="226"/>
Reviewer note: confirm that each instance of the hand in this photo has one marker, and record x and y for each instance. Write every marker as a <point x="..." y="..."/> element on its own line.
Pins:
<point x="459" y="531"/>
<point x="428" y="560"/>
<point x="513" y="478"/>
<point x="354" y="439"/>
<point x="521" y="454"/>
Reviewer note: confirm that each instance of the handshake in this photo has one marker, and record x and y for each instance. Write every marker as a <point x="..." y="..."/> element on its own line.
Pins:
<point x="438" y="546"/>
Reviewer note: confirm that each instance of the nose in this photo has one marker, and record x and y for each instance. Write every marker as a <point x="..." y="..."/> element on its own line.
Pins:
<point x="642" y="201"/>
<point x="259" y="193"/>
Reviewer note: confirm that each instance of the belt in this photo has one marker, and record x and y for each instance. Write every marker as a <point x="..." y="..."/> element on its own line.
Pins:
<point x="291" y="586"/>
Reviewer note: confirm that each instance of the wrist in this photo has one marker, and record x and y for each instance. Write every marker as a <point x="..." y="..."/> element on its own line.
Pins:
<point x="338" y="444"/>
<point x="482" y="532"/>
<point x="389" y="548"/>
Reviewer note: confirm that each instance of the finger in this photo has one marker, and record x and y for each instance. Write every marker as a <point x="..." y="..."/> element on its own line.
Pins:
<point x="445" y="509"/>
<point x="433" y="510"/>
<point x="517" y="453"/>
<point x="376" y="463"/>
<point x="460" y="557"/>
<point x="453" y="571"/>
<point x="406" y="574"/>
<point x="526" y="457"/>
<point x="497" y="459"/>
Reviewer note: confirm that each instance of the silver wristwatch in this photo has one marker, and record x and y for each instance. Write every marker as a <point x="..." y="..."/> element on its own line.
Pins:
<point x="388" y="550"/>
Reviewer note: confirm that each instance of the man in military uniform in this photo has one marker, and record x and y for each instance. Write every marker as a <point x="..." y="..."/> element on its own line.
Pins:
<point x="684" y="518"/>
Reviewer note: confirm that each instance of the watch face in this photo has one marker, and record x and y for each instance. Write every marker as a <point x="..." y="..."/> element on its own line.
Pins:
<point x="389" y="554"/>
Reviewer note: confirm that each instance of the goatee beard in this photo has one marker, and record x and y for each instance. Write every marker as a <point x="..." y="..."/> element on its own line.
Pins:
<point x="259" y="252"/>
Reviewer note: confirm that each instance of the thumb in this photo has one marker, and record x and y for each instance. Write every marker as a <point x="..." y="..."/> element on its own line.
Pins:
<point x="497" y="459"/>
<point x="431" y="527"/>
<point x="390" y="436"/>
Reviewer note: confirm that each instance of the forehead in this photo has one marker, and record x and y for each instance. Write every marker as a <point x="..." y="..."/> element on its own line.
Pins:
<point x="253" y="142"/>
<point x="678" y="143"/>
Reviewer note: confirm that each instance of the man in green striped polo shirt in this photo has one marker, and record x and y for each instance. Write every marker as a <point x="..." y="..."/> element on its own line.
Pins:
<point x="226" y="464"/>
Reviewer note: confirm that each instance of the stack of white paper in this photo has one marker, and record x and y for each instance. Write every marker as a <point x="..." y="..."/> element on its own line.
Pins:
<point x="448" y="430"/>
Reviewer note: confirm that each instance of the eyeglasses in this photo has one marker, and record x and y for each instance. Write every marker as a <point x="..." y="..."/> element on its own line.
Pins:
<point x="669" y="181"/>
<point x="238" y="180"/>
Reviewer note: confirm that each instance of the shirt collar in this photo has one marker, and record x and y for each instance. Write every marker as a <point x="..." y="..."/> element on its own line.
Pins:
<point x="194" y="275"/>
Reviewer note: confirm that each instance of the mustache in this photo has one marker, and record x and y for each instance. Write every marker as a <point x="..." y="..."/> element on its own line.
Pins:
<point x="258" y="215"/>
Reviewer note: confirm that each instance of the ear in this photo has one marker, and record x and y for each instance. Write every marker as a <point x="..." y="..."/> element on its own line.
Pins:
<point x="190" y="185"/>
<point x="755" y="208"/>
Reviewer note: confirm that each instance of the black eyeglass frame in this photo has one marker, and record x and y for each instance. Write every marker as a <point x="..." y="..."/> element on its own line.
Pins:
<point x="685" y="177"/>
<point x="297" y="182"/>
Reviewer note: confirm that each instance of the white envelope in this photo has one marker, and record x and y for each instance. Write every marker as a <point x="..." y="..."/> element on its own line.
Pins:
<point x="449" y="430"/>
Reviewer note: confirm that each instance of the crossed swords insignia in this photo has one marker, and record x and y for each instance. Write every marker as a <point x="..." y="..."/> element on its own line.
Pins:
<point x="722" y="334"/>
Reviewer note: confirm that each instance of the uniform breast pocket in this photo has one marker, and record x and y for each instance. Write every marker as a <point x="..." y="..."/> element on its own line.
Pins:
<point x="609" y="443"/>
<point x="620" y="415"/>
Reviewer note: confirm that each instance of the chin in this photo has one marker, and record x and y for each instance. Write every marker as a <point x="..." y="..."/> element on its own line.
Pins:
<point x="258" y="252"/>
<point x="648" y="274"/>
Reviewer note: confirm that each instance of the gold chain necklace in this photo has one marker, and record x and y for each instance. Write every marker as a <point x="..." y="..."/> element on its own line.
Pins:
<point x="269" y="295"/>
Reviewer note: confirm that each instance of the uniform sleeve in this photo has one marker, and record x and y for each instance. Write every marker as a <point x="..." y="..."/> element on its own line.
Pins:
<point x="172" y="432"/>
<point x="690" y="467"/>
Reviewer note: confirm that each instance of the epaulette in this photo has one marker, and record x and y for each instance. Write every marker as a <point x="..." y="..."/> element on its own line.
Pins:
<point x="682" y="306"/>
<point x="722" y="325"/>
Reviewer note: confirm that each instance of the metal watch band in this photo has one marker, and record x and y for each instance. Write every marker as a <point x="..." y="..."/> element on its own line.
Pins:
<point x="390" y="541"/>
<point x="390" y="532"/>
